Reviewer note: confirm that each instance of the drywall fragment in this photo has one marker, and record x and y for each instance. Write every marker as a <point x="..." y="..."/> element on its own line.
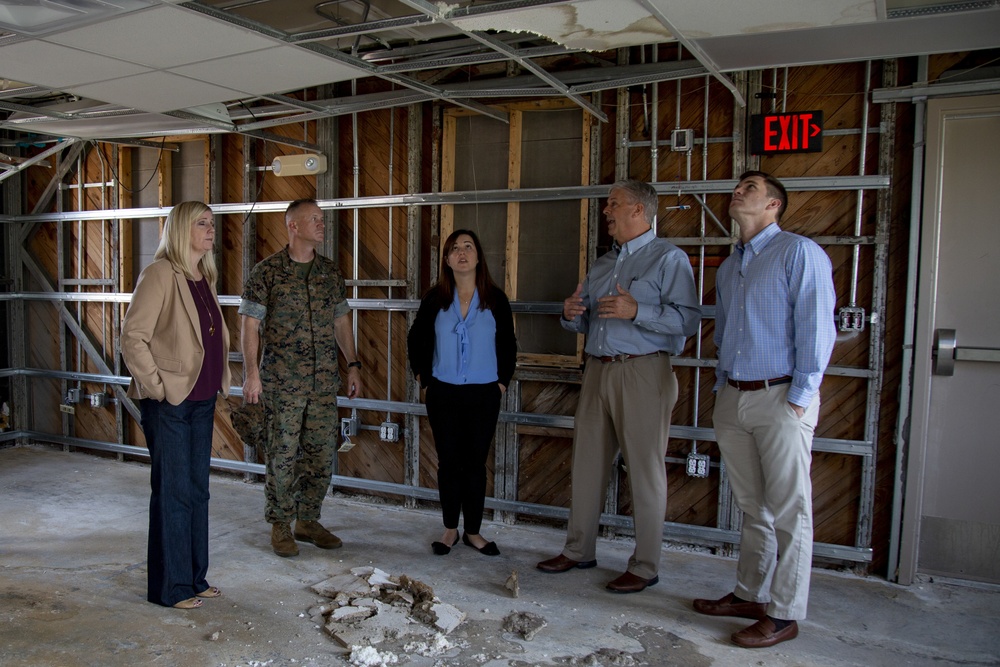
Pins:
<point x="512" y="585"/>
<point x="447" y="617"/>
<point x="524" y="623"/>
<point x="343" y="583"/>
<point x="350" y="613"/>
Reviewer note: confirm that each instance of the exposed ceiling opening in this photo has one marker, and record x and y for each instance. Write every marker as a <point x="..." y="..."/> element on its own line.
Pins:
<point x="137" y="68"/>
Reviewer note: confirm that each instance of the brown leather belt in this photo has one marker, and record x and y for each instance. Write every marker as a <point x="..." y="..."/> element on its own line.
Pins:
<point x="626" y="357"/>
<point x="757" y="385"/>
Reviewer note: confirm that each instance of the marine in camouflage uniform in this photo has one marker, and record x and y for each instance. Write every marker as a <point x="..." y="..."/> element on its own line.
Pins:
<point x="299" y="313"/>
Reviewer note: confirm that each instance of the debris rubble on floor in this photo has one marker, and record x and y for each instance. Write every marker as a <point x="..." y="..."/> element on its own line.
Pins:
<point x="73" y="588"/>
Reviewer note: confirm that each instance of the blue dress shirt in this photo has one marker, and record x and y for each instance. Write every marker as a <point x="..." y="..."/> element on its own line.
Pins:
<point x="658" y="275"/>
<point x="465" y="349"/>
<point x="775" y="312"/>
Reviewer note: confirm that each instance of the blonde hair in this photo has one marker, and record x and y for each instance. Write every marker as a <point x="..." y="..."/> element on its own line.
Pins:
<point x="175" y="243"/>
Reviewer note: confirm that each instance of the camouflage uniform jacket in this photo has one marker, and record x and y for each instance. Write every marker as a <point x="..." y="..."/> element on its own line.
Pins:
<point x="297" y="333"/>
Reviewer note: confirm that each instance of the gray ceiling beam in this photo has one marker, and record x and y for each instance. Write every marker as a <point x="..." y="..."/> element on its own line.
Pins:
<point x="695" y="50"/>
<point x="236" y="129"/>
<point x="923" y="91"/>
<point x="525" y="85"/>
<point x="472" y="197"/>
<point x="26" y="108"/>
<point x="35" y="159"/>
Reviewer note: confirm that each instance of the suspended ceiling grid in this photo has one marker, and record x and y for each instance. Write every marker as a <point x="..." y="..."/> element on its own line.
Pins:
<point x="163" y="67"/>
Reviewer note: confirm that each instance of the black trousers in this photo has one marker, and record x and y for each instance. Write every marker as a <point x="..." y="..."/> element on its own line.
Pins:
<point x="463" y="419"/>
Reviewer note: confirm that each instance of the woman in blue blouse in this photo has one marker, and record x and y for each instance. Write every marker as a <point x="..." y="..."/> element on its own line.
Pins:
<point x="463" y="350"/>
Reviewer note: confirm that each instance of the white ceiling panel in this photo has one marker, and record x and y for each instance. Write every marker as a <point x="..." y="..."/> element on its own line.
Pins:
<point x="164" y="37"/>
<point x="885" y="39"/>
<point x="715" y="18"/>
<point x="594" y="25"/>
<point x="275" y="70"/>
<point x="56" y="66"/>
<point x="156" y="91"/>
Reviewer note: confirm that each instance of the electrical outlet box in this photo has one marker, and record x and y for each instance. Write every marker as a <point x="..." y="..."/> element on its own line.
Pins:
<point x="852" y="318"/>
<point x="349" y="427"/>
<point x="346" y="446"/>
<point x="388" y="432"/>
<point x="698" y="465"/>
<point x="98" y="400"/>
<point x="682" y="141"/>
<point x="73" y="395"/>
<point x="68" y="409"/>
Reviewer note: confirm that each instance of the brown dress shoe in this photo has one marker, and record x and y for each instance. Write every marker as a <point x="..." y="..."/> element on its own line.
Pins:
<point x="726" y="606"/>
<point x="763" y="634"/>
<point x="562" y="564"/>
<point x="282" y="541"/>
<point x="313" y="531"/>
<point x="630" y="583"/>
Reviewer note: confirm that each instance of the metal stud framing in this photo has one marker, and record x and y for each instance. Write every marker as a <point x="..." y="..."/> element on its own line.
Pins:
<point x="505" y="502"/>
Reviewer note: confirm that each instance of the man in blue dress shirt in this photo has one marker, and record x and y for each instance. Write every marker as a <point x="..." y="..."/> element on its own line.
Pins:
<point x="774" y="329"/>
<point x="636" y="306"/>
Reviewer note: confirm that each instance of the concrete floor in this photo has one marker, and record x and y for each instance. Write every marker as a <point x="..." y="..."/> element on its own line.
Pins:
<point x="72" y="584"/>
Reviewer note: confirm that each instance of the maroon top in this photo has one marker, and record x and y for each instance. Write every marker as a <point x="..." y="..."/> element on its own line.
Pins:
<point x="210" y="318"/>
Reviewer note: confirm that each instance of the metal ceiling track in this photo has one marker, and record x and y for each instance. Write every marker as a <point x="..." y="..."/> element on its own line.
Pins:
<point x="448" y="17"/>
<point x="472" y="197"/>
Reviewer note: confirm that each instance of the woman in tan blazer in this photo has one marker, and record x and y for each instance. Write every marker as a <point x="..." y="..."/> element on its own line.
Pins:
<point x="176" y="346"/>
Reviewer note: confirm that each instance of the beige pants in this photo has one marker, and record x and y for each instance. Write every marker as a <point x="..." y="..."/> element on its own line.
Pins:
<point x="767" y="450"/>
<point x="626" y="405"/>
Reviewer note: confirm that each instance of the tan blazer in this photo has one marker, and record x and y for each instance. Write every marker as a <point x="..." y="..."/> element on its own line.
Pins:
<point x="161" y="337"/>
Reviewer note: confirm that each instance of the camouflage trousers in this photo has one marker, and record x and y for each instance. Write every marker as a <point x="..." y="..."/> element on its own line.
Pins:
<point x="300" y="444"/>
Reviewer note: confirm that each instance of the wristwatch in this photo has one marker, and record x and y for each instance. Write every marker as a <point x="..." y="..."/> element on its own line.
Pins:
<point x="355" y="364"/>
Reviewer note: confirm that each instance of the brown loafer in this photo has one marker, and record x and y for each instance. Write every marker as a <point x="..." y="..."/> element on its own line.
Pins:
<point x="630" y="583"/>
<point x="726" y="606"/>
<point x="562" y="564"/>
<point x="762" y="634"/>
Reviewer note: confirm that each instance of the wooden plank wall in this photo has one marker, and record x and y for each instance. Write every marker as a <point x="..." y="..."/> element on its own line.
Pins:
<point x="544" y="452"/>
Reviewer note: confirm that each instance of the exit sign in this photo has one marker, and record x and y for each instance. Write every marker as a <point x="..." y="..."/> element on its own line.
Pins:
<point x="796" y="132"/>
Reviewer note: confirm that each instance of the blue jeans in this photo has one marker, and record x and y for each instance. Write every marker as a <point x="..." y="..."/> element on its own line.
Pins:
<point x="179" y="439"/>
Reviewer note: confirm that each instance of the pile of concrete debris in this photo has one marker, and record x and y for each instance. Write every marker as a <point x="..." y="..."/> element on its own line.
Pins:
<point x="368" y="607"/>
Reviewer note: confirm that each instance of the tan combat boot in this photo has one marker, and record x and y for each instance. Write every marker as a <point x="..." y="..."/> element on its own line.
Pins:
<point x="313" y="531"/>
<point x="282" y="541"/>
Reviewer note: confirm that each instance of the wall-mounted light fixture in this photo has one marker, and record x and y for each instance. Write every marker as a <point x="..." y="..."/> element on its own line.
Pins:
<point x="307" y="164"/>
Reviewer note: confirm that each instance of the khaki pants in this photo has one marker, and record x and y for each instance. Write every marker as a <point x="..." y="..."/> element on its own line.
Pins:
<point x="767" y="450"/>
<point x="627" y="405"/>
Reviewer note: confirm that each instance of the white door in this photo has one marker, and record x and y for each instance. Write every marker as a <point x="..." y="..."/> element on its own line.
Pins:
<point x="951" y="511"/>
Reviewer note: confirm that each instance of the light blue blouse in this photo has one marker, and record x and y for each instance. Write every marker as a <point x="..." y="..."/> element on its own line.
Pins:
<point x="465" y="350"/>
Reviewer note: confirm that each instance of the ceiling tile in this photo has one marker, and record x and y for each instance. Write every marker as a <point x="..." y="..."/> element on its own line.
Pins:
<point x="156" y="92"/>
<point x="594" y="25"/>
<point x="164" y="37"/>
<point x="695" y="19"/>
<point x="275" y="70"/>
<point x="886" y="39"/>
<point x="56" y="66"/>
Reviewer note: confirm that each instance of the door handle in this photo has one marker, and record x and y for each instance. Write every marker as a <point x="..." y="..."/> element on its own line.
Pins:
<point x="946" y="352"/>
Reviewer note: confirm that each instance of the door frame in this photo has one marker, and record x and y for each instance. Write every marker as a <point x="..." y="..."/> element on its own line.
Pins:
<point x="939" y="111"/>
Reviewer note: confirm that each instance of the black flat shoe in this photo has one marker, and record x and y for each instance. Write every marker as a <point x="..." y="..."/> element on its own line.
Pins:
<point x="489" y="549"/>
<point x="442" y="549"/>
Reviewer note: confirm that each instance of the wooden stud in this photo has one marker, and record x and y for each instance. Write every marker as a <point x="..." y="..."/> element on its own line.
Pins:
<point x="448" y="176"/>
<point x="513" y="208"/>
<point x="126" y="257"/>
<point x="165" y="182"/>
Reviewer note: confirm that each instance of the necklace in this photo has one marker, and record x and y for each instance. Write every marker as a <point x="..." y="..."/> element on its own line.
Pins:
<point x="208" y="309"/>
